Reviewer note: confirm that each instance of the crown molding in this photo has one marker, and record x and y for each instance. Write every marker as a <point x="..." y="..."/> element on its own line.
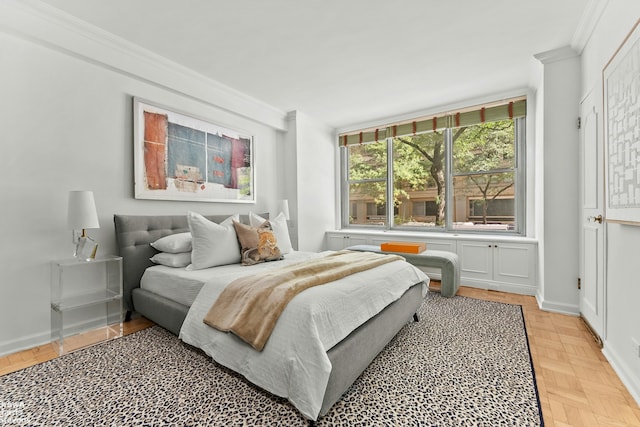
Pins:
<point x="587" y="24"/>
<point x="554" y="55"/>
<point x="40" y="23"/>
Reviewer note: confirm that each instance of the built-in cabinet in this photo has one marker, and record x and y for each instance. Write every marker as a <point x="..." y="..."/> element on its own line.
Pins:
<point x="506" y="263"/>
<point x="505" y="266"/>
<point x="336" y="242"/>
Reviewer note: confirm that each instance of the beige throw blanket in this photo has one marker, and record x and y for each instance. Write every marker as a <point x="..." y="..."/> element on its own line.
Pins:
<point x="250" y="306"/>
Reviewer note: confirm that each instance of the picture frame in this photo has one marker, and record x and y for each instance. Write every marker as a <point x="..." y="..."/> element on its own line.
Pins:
<point x="178" y="156"/>
<point x="621" y="99"/>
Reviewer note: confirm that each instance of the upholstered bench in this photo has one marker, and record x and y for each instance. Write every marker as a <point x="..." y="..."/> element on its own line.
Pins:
<point x="446" y="261"/>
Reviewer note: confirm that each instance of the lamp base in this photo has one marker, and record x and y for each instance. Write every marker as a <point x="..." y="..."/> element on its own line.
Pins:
<point x="86" y="248"/>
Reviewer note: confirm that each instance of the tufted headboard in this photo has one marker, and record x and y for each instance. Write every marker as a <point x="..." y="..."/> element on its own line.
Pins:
<point x="134" y="233"/>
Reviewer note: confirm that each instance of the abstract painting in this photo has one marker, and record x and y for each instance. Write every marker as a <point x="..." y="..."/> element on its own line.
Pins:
<point x="182" y="157"/>
<point x="621" y="92"/>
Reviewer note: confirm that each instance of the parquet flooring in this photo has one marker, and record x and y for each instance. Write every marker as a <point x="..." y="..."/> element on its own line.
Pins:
<point x="577" y="385"/>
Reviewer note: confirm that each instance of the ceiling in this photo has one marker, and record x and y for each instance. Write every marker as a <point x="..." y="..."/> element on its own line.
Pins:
<point x="346" y="61"/>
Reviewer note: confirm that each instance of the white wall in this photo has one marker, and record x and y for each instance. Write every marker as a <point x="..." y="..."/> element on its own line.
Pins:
<point x="66" y="122"/>
<point x="311" y="151"/>
<point x="622" y="322"/>
<point x="558" y="99"/>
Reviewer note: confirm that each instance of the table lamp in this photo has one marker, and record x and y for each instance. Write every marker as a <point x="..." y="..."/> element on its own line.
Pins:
<point x="81" y="215"/>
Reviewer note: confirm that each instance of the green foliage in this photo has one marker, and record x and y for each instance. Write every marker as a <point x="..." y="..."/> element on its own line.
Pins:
<point x="485" y="147"/>
<point x="413" y="161"/>
<point x="418" y="163"/>
<point x="369" y="162"/>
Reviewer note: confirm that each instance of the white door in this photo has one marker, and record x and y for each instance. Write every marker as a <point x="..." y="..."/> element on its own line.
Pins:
<point x="592" y="221"/>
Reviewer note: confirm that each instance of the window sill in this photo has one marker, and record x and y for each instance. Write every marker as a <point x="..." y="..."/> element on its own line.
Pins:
<point x="422" y="235"/>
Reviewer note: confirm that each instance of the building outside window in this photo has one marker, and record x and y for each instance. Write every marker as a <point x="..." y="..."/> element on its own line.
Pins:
<point x="456" y="171"/>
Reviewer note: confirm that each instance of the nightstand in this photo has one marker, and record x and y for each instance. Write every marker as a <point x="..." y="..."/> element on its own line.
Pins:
<point x="86" y="302"/>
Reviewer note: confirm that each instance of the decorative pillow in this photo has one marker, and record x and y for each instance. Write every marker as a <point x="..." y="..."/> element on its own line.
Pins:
<point x="279" y="227"/>
<point x="258" y="243"/>
<point x="174" y="243"/>
<point x="172" y="260"/>
<point x="212" y="244"/>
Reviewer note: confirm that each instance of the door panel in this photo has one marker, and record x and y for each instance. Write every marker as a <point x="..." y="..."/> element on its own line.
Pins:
<point x="590" y="290"/>
<point x="592" y="231"/>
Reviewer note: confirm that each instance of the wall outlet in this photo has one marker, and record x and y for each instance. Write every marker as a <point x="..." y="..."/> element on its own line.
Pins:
<point x="636" y="347"/>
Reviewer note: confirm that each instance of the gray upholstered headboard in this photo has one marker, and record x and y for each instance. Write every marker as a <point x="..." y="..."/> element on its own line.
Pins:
<point x="134" y="233"/>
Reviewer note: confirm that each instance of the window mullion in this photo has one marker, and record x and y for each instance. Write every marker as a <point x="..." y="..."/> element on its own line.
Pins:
<point x="520" y="190"/>
<point x="448" y="180"/>
<point x="390" y="200"/>
<point x="344" y="187"/>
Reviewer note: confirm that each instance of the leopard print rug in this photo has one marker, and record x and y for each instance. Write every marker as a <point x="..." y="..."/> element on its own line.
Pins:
<point x="466" y="362"/>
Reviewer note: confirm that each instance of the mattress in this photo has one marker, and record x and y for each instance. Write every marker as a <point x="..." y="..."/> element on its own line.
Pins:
<point x="183" y="286"/>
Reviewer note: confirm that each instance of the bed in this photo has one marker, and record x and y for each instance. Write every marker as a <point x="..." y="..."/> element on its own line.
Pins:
<point x="346" y="359"/>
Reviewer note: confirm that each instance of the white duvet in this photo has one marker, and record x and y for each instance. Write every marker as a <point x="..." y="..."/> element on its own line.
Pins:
<point x="294" y="363"/>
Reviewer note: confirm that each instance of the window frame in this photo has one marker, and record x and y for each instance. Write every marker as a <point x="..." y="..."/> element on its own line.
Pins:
<point x="520" y="195"/>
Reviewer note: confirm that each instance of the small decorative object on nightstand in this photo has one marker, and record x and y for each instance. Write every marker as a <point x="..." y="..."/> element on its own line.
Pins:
<point x="86" y="302"/>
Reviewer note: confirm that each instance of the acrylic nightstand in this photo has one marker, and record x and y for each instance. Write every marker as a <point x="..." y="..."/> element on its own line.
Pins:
<point x="86" y="302"/>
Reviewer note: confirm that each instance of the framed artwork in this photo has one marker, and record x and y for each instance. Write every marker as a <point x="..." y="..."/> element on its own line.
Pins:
<point x="182" y="157"/>
<point x="621" y="97"/>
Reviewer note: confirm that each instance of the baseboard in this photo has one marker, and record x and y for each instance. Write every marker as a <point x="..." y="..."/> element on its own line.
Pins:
<point x="511" y="288"/>
<point x="35" y="340"/>
<point x="24" y="343"/>
<point x="627" y="375"/>
<point x="557" y="307"/>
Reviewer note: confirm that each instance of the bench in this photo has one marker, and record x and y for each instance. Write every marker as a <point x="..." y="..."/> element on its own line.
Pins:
<point x="446" y="261"/>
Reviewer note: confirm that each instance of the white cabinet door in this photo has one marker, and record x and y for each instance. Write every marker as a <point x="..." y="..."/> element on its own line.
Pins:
<point x="441" y="245"/>
<point x="476" y="260"/>
<point x="338" y="241"/>
<point x="514" y="263"/>
<point x="335" y="242"/>
<point x="355" y="240"/>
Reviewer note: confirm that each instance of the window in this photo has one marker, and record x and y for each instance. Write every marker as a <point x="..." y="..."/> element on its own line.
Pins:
<point x="367" y="188"/>
<point x="460" y="171"/>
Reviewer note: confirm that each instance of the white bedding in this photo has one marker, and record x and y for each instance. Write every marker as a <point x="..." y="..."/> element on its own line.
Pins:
<point x="294" y="363"/>
<point x="182" y="285"/>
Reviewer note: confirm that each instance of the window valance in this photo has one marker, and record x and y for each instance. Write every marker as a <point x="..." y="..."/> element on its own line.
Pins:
<point x="503" y="110"/>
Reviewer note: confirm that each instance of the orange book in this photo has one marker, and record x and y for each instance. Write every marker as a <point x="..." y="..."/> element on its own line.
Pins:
<point x="405" y="247"/>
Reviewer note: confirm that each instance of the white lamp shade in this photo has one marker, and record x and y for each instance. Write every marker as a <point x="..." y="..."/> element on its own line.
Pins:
<point x="283" y="206"/>
<point x="82" y="211"/>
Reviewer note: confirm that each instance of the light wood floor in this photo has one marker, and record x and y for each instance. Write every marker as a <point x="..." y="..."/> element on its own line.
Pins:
<point x="577" y="385"/>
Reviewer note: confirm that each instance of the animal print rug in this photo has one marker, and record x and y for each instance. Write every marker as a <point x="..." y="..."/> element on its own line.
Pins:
<point x="466" y="362"/>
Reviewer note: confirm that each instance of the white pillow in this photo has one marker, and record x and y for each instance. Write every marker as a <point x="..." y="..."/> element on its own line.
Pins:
<point x="279" y="227"/>
<point x="212" y="244"/>
<point x="174" y="243"/>
<point x="172" y="260"/>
